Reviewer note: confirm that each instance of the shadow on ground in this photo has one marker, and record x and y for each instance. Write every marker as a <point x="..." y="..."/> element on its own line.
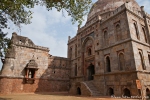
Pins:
<point x="66" y="94"/>
<point x="5" y="98"/>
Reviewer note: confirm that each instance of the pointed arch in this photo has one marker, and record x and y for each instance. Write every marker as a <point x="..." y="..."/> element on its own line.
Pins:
<point x="121" y="61"/>
<point x="75" y="50"/>
<point x="76" y="69"/>
<point x="85" y="41"/>
<point x="89" y="51"/>
<point x="105" y="34"/>
<point x="70" y="53"/>
<point x="144" y="33"/>
<point x="142" y="61"/>
<point x="108" y="65"/>
<point x="136" y="30"/>
<point x="106" y="39"/>
<point x="149" y="58"/>
<point x="126" y="92"/>
<point x="118" y="32"/>
<point x="148" y="93"/>
<point x="78" y="91"/>
<point x="110" y="91"/>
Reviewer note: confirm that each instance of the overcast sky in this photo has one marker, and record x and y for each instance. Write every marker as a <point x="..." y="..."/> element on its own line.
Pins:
<point x="51" y="29"/>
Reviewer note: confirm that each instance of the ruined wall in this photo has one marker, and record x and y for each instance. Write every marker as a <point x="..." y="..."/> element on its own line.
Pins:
<point x="48" y="78"/>
<point x="23" y="52"/>
<point x="16" y="85"/>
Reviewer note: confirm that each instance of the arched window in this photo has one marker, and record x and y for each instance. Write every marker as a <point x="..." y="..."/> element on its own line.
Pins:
<point x="118" y="33"/>
<point x="89" y="51"/>
<point x="142" y="62"/>
<point x="105" y="34"/>
<point x="149" y="58"/>
<point x="75" y="50"/>
<point x="108" y="67"/>
<point x="148" y="93"/>
<point x="136" y="30"/>
<point x="106" y="37"/>
<point x="70" y="54"/>
<point x="78" y="91"/>
<point x="144" y="33"/>
<point x="121" y="61"/>
<point x="110" y="91"/>
<point x="76" y="69"/>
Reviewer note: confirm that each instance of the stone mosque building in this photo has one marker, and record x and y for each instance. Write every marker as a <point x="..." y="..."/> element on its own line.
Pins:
<point x="110" y="55"/>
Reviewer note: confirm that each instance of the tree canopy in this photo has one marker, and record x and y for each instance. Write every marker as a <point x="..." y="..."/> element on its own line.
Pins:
<point x="18" y="12"/>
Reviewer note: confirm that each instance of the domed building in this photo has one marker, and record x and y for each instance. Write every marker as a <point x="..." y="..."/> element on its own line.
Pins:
<point x="110" y="54"/>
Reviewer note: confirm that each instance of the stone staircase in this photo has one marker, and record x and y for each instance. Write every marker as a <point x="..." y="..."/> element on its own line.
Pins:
<point x="92" y="88"/>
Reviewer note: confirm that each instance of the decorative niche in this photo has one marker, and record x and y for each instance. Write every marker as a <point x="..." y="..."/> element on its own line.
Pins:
<point x="30" y="71"/>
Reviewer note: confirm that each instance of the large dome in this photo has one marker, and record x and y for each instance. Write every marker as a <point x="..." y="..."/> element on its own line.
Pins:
<point x="110" y="5"/>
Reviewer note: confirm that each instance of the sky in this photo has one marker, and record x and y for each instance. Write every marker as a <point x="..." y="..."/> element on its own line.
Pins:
<point x="51" y="29"/>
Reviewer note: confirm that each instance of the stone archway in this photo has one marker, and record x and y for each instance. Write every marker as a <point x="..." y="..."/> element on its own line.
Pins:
<point x="148" y="93"/>
<point x="110" y="91"/>
<point x="78" y="91"/>
<point x="90" y="72"/>
<point x="126" y="92"/>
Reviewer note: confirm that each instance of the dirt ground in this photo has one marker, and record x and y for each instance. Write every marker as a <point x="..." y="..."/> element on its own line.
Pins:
<point x="52" y="96"/>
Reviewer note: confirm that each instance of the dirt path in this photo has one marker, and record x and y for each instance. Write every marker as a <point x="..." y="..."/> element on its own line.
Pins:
<point x="51" y="96"/>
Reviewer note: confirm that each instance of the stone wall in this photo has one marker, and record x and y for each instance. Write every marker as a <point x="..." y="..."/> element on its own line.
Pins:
<point x="52" y="75"/>
<point x="110" y="41"/>
<point x="17" y="85"/>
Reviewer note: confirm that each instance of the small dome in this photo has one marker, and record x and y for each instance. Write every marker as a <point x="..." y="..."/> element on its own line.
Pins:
<point x="32" y="64"/>
<point x="110" y="5"/>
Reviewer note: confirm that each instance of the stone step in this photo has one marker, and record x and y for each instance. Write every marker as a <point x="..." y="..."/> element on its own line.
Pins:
<point x="94" y="91"/>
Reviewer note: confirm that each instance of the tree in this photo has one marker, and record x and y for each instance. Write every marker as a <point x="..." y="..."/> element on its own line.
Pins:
<point x="18" y="12"/>
<point x="4" y="43"/>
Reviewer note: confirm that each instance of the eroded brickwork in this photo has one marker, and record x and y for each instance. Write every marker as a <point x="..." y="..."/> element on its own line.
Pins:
<point x="50" y="74"/>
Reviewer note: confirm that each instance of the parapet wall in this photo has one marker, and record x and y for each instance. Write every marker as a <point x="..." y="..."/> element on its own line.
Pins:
<point x="108" y="13"/>
<point x="31" y="46"/>
<point x="120" y="9"/>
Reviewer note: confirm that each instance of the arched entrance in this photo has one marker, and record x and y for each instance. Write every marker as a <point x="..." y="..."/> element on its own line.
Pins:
<point x="91" y="72"/>
<point x="148" y="93"/>
<point x="110" y="91"/>
<point x="78" y="91"/>
<point x="126" y="92"/>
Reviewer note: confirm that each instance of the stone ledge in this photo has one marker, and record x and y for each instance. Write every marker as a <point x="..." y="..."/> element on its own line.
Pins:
<point x="144" y="71"/>
<point x="58" y="80"/>
<point x="114" y="73"/>
<point x="34" y="47"/>
<point x="59" y="68"/>
<point x="77" y="77"/>
<point x="9" y="77"/>
<point x="124" y="41"/>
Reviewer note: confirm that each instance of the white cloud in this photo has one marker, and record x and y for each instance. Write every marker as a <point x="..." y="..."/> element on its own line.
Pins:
<point x="145" y="3"/>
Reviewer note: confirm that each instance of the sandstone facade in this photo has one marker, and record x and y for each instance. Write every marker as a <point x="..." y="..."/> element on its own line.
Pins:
<point x="110" y="54"/>
<point x="30" y="68"/>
